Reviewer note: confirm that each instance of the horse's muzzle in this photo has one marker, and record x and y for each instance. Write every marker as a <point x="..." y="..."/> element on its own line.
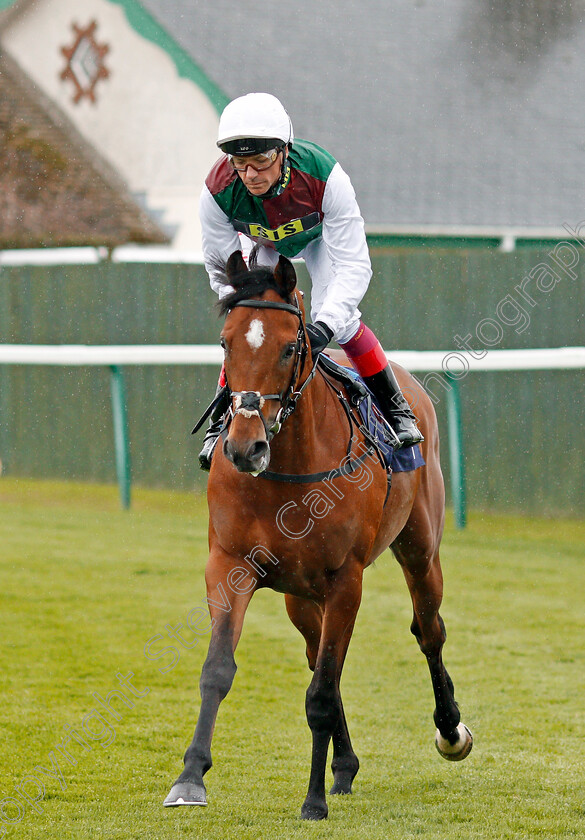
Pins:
<point x="248" y="456"/>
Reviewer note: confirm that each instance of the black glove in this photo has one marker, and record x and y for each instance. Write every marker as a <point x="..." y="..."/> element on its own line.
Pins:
<point x="319" y="337"/>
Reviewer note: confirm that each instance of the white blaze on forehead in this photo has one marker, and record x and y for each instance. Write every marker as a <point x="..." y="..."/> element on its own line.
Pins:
<point x="255" y="334"/>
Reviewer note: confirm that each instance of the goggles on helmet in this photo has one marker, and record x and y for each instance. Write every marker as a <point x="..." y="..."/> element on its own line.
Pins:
<point x="258" y="162"/>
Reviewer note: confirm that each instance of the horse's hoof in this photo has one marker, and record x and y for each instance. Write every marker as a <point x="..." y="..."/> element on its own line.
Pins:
<point x="310" y="811"/>
<point x="460" y="749"/>
<point x="344" y="772"/>
<point x="342" y="782"/>
<point x="186" y="793"/>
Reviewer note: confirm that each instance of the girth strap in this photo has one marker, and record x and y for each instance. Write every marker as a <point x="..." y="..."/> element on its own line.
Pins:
<point x="309" y="478"/>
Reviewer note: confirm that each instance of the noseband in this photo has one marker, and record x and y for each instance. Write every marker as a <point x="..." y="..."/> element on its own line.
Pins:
<point x="249" y="403"/>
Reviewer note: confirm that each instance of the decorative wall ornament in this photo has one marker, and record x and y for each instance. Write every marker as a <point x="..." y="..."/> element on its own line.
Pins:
<point x="85" y="62"/>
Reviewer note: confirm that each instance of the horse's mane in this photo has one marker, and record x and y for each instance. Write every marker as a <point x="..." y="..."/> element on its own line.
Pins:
<point x="247" y="284"/>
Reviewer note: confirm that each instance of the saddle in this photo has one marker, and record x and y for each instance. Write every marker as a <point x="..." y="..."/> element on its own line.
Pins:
<point x="372" y="422"/>
<point x="355" y="388"/>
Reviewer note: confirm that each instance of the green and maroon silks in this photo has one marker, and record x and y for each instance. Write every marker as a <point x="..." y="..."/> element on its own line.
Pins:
<point x="289" y="221"/>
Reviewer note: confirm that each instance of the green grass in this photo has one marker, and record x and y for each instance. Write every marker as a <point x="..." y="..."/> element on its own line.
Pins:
<point x="85" y="585"/>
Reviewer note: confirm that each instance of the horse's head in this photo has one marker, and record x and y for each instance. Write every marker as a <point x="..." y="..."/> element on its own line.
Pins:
<point x="265" y="346"/>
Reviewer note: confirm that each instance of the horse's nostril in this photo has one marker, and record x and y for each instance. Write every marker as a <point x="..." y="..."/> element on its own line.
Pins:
<point x="245" y="459"/>
<point x="257" y="450"/>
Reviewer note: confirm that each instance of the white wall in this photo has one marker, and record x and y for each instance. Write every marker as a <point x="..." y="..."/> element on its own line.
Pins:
<point x="155" y="128"/>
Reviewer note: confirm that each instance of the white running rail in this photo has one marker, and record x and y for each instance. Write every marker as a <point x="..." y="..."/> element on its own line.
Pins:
<point x="556" y="358"/>
<point x="117" y="356"/>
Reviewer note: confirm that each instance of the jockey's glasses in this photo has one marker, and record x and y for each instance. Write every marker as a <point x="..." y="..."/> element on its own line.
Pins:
<point x="258" y="162"/>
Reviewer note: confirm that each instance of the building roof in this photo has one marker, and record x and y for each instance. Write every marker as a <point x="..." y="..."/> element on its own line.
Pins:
<point x="54" y="191"/>
<point x="460" y="113"/>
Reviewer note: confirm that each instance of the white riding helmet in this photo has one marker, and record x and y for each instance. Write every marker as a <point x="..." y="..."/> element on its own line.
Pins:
<point x="252" y="124"/>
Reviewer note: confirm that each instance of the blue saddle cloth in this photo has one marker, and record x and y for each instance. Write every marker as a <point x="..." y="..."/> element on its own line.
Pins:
<point x="404" y="460"/>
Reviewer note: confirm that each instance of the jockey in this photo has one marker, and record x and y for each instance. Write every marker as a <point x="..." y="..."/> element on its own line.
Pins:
<point x="292" y="197"/>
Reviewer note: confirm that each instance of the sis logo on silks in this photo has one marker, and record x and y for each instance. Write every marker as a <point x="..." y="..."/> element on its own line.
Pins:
<point x="276" y="234"/>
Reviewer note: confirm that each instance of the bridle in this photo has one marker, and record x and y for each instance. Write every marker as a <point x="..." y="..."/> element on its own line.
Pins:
<point x="250" y="403"/>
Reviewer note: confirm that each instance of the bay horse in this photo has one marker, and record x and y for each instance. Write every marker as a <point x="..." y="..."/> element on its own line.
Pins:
<point x="310" y="526"/>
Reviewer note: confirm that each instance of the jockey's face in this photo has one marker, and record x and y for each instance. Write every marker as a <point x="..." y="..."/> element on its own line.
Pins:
<point x="258" y="178"/>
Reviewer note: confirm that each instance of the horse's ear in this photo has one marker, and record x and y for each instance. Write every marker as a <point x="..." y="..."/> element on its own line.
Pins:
<point x="236" y="269"/>
<point x="285" y="276"/>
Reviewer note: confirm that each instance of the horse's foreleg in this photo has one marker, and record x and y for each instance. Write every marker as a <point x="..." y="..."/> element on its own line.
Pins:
<point x="422" y="572"/>
<point x="307" y="617"/>
<point x="323" y="701"/>
<point x="227" y="610"/>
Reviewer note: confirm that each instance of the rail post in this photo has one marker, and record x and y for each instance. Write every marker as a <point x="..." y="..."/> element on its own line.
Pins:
<point x="456" y="462"/>
<point x="120" y="422"/>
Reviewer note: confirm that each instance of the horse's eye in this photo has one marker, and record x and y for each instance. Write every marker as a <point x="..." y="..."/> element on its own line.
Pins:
<point x="222" y="343"/>
<point x="288" y="352"/>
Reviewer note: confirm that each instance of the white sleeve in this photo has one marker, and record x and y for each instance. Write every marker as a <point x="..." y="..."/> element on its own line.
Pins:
<point x="344" y="237"/>
<point x="220" y="240"/>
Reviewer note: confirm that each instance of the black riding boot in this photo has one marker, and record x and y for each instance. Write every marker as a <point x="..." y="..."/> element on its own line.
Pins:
<point x="214" y="428"/>
<point x="395" y="409"/>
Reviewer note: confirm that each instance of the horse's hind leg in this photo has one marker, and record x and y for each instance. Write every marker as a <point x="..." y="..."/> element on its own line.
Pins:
<point x="419" y="558"/>
<point x="345" y="762"/>
<point x="307" y="617"/>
